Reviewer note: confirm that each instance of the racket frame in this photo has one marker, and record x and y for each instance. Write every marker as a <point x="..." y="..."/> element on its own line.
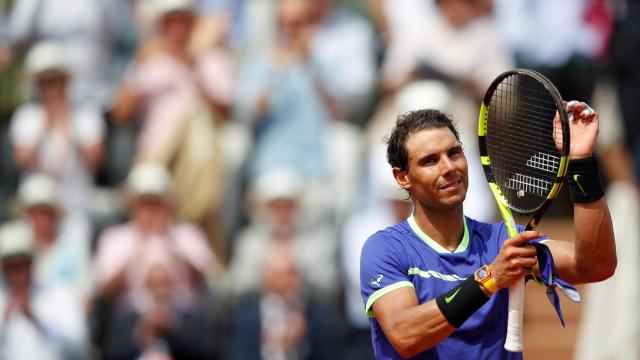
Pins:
<point x="514" y="340"/>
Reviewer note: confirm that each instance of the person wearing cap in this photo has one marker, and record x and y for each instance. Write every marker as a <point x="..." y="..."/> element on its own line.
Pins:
<point x="278" y="95"/>
<point x="126" y="252"/>
<point x="37" y="320"/>
<point x="96" y="36"/>
<point x="277" y="216"/>
<point x="51" y="135"/>
<point x="61" y="243"/>
<point x="181" y="99"/>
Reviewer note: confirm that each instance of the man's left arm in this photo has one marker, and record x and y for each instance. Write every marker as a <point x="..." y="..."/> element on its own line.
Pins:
<point x="592" y="257"/>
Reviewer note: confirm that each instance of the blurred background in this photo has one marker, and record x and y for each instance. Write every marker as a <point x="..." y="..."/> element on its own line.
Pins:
<point x="194" y="179"/>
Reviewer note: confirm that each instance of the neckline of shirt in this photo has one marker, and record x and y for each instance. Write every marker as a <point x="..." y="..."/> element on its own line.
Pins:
<point x="464" y="243"/>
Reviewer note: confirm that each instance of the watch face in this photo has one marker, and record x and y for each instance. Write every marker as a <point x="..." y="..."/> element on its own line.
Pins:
<point x="482" y="273"/>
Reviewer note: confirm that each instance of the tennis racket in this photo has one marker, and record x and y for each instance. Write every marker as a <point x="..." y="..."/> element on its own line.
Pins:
<point x="523" y="133"/>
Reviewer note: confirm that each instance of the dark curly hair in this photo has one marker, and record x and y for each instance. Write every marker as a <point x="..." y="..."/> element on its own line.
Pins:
<point x="409" y="123"/>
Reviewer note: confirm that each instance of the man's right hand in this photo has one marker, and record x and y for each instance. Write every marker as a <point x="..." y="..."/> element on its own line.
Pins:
<point x="515" y="260"/>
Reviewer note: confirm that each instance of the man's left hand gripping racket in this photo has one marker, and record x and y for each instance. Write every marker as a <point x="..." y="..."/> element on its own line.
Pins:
<point x="523" y="132"/>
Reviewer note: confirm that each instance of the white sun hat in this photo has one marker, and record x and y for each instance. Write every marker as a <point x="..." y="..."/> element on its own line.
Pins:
<point x="423" y="94"/>
<point x="45" y="57"/>
<point x="164" y="7"/>
<point x="39" y="190"/>
<point x="149" y="179"/>
<point x="277" y="184"/>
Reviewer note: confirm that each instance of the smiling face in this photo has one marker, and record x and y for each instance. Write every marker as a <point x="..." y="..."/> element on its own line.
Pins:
<point x="436" y="175"/>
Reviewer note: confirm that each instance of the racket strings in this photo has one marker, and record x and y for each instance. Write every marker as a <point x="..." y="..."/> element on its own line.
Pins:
<point x="520" y="141"/>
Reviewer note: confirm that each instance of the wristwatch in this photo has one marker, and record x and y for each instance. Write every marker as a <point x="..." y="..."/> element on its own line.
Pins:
<point x="484" y="277"/>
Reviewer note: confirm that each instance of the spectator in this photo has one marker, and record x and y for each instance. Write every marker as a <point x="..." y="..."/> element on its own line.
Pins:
<point x="284" y="94"/>
<point x="279" y="96"/>
<point x="280" y="321"/>
<point x="166" y="326"/>
<point x="181" y="97"/>
<point x="92" y="34"/>
<point x="40" y="320"/>
<point x="132" y="286"/>
<point x="342" y="52"/>
<point x="277" y="217"/>
<point x="61" y="244"/>
<point x="51" y="135"/>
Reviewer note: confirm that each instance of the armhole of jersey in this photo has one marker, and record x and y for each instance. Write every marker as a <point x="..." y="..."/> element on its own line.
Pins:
<point x="385" y="290"/>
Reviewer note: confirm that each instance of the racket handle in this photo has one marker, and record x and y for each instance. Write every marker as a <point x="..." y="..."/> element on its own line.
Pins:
<point x="513" y="342"/>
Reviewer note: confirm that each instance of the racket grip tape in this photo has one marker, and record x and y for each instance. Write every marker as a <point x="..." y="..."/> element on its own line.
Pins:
<point x="514" y="341"/>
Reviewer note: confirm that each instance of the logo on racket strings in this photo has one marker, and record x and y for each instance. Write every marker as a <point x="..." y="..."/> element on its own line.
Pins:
<point x="525" y="184"/>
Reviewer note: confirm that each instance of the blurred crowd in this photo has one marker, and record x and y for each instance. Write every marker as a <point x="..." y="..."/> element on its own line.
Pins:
<point x="194" y="179"/>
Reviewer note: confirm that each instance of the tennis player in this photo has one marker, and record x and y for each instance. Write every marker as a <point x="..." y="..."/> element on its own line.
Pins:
<point x="435" y="285"/>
